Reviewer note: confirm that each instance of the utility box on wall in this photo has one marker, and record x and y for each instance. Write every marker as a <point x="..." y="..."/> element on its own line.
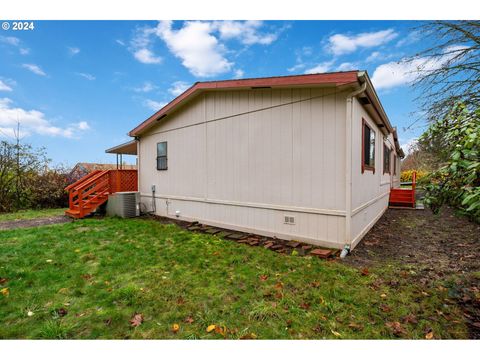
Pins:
<point x="124" y="204"/>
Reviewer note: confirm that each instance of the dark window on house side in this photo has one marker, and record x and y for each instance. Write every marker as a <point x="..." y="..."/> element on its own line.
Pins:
<point x="386" y="159"/>
<point x="162" y="155"/>
<point x="368" y="147"/>
<point x="394" y="164"/>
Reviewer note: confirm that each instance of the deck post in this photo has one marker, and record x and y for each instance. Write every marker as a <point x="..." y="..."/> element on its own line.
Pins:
<point x="118" y="187"/>
<point x="414" y="183"/>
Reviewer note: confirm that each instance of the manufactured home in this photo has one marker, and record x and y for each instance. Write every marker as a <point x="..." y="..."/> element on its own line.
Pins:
<point x="312" y="158"/>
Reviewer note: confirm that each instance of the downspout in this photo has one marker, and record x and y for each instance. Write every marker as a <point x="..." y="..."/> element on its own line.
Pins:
<point x="348" y="168"/>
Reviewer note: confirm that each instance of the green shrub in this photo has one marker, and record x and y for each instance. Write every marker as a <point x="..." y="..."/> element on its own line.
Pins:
<point x="457" y="181"/>
<point x="407" y="175"/>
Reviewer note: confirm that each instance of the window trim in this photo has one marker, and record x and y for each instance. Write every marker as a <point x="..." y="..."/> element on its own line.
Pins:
<point x="364" y="166"/>
<point x="389" y="150"/>
<point x="394" y="164"/>
<point x="162" y="156"/>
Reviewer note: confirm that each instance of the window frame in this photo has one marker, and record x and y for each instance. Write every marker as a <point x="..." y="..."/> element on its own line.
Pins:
<point x="394" y="164"/>
<point x="388" y="157"/>
<point x="162" y="156"/>
<point x="368" y="166"/>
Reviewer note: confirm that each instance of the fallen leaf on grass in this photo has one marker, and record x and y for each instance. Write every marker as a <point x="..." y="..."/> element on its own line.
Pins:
<point x="61" y="312"/>
<point x="49" y="260"/>
<point x="365" y="272"/>
<point x="315" y="284"/>
<point x="355" y="326"/>
<point x="396" y="328"/>
<point x="251" y="336"/>
<point x="3" y="280"/>
<point x="336" y="333"/>
<point x="410" y="319"/>
<point x="136" y="320"/>
<point x="305" y="306"/>
<point x="180" y="300"/>
<point x="30" y="313"/>
<point x="429" y="335"/>
<point x="210" y="328"/>
<point x="383" y="296"/>
<point x="5" y="291"/>
<point x="175" y="328"/>
<point x="263" y="277"/>
<point x="188" y="320"/>
<point x="221" y="330"/>
<point x="385" y="308"/>
<point x="318" y="328"/>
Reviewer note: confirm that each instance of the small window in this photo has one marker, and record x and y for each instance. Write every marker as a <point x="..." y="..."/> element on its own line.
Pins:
<point x="386" y="159"/>
<point x="162" y="155"/>
<point x="368" y="147"/>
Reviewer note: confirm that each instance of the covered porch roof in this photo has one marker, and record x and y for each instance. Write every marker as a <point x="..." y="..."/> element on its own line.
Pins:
<point x="128" y="148"/>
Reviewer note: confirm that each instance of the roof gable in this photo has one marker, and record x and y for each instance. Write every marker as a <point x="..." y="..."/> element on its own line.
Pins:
<point x="333" y="79"/>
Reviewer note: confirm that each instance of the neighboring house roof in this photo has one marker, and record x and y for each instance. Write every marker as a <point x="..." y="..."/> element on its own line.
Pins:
<point x="336" y="79"/>
<point x="89" y="167"/>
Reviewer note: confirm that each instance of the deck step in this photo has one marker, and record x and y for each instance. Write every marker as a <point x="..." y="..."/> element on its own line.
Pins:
<point x="72" y="213"/>
<point x="402" y="198"/>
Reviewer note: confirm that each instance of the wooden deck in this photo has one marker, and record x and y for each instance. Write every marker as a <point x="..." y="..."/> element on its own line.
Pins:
<point x="403" y="197"/>
<point x="91" y="191"/>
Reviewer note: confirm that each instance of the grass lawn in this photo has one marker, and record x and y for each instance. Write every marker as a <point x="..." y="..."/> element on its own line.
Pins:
<point x="87" y="279"/>
<point x="31" y="214"/>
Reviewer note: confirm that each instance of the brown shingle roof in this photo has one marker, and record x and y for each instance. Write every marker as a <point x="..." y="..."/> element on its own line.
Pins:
<point x="96" y="166"/>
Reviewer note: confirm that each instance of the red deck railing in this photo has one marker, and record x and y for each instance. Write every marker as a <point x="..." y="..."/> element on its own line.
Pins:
<point x="91" y="191"/>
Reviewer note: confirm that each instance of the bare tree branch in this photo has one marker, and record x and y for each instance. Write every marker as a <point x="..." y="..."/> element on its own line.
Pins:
<point x="449" y="71"/>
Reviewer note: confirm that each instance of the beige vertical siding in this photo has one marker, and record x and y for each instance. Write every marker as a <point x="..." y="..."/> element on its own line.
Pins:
<point x="245" y="159"/>
<point x="370" y="190"/>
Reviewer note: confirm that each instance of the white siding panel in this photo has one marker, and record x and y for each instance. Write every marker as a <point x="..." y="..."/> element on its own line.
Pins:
<point x="237" y="158"/>
<point x="370" y="189"/>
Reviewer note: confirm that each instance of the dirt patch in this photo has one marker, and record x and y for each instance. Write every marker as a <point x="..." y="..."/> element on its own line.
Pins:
<point x="15" y="224"/>
<point x="439" y="245"/>
<point x="436" y="247"/>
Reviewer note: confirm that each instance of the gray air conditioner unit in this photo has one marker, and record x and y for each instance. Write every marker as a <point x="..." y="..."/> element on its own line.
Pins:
<point x="125" y="204"/>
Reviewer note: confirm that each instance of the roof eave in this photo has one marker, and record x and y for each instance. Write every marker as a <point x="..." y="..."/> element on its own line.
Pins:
<point x="333" y="79"/>
<point x="372" y="95"/>
<point x="128" y="148"/>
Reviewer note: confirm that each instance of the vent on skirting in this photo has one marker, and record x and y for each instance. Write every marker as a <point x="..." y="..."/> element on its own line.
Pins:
<point x="290" y="220"/>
